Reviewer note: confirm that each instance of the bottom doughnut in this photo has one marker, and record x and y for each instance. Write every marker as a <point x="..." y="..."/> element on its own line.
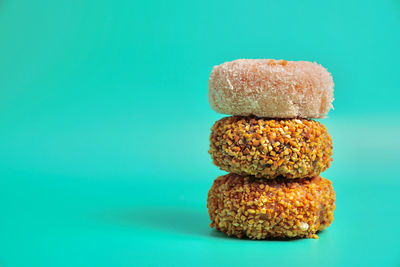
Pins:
<point x="245" y="206"/>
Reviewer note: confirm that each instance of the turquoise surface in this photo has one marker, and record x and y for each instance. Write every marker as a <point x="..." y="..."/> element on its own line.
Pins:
<point x="104" y="126"/>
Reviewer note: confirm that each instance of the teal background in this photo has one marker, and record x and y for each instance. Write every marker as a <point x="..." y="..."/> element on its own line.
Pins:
<point x="104" y="125"/>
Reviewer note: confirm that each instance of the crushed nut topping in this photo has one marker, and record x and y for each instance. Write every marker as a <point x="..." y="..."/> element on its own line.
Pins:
<point x="268" y="148"/>
<point x="245" y="206"/>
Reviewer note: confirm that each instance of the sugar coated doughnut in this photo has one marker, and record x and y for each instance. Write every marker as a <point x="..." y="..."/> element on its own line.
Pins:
<point x="268" y="148"/>
<point x="271" y="88"/>
<point x="244" y="206"/>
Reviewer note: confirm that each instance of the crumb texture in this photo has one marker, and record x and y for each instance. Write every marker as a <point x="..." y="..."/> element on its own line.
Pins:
<point x="271" y="88"/>
<point x="244" y="206"/>
<point x="292" y="148"/>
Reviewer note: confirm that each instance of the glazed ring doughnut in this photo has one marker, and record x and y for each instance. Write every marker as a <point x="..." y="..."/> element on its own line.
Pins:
<point x="292" y="148"/>
<point x="271" y="89"/>
<point x="244" y="206"/>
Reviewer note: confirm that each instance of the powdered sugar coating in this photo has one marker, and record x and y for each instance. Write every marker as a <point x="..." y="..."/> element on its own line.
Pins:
<point x="271" y="88"/>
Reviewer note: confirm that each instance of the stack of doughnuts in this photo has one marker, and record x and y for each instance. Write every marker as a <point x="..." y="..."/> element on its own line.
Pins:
<point x="272" y="148"/>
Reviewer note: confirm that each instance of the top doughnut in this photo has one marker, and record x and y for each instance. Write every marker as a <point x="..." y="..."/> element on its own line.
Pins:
<point x="271" y="88"/>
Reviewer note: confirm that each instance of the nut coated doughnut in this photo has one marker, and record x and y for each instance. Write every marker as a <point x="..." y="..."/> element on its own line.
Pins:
<point x="271" y="88"/>
<point x="243" y="206"/>
<point x="292" y="148"/>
